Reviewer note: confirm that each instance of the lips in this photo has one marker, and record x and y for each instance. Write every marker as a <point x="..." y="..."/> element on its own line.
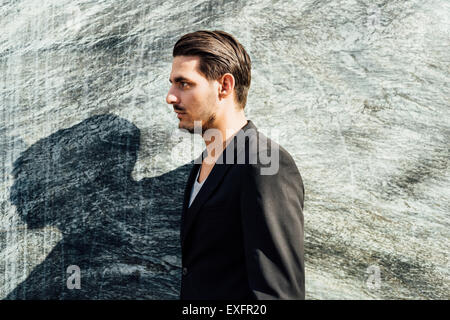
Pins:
<point x="179" y="114"/>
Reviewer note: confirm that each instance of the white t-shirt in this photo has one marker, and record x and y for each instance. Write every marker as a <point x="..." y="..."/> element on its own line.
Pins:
<point x="196" y="187"/>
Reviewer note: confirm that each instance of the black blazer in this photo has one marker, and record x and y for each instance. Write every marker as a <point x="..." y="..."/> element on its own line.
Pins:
<point x="242" y="237"/>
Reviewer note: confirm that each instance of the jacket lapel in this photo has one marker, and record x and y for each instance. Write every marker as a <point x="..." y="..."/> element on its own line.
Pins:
<point x="187" y="192"/>
<point x="211" y="183"/>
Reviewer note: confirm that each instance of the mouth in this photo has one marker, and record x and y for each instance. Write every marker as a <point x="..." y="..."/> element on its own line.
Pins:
<point x="180" y="114"/>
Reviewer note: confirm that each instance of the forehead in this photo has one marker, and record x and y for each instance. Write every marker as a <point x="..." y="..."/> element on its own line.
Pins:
<point x="186" y="67"/>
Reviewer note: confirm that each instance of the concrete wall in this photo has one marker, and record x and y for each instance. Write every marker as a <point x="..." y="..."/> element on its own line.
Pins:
<point x="93" y="169"/>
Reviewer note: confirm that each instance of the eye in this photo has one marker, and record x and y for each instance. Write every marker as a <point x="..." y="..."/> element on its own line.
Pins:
<point x="184" y="84"/>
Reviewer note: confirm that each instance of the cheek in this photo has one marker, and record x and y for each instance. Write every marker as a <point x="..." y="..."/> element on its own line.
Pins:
<point x="188" y="98"/>
<point x="209" y="98"/>
<point x="199" y="100"/>
<point x="193" y="101"/>
<point x="212" y="95"/>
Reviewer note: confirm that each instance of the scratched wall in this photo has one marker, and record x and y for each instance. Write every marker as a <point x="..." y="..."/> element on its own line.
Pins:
<point x="93" y="169"/>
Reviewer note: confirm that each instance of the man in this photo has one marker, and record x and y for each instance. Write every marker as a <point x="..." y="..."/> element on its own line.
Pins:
<point x="242" y="222"/>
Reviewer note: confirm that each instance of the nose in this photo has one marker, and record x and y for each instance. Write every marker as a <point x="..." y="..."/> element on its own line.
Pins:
<point x="171" y="98"/>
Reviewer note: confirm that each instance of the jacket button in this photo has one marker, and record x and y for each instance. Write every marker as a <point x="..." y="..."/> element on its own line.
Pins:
<point x="184" y="271"/>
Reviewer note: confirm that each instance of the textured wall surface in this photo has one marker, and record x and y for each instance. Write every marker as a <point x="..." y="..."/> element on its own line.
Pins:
<point x="93" y="169"/>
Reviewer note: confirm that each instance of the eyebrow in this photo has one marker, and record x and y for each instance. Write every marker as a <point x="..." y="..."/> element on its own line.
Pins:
<point x="179" y="79"/>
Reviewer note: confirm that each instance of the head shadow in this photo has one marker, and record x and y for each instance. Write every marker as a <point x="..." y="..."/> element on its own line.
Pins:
<point x="79" y="180"/>
<point x="55" y="173"/>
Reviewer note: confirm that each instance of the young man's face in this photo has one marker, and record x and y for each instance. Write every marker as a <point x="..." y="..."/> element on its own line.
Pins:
<point x="193" y="97"/>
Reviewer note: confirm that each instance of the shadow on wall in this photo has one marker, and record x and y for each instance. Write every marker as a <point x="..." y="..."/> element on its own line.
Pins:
<point x="122" y="234"/>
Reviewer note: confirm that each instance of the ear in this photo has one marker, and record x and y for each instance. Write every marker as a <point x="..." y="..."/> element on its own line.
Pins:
<point x="226" y="85"/>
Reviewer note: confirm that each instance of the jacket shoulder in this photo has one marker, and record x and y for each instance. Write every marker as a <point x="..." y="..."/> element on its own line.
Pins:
<point x="265" y="153"/>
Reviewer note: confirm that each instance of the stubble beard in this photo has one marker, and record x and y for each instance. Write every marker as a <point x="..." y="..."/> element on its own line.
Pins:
<point x="207" y="113"/>
<point x="206" y="124"/>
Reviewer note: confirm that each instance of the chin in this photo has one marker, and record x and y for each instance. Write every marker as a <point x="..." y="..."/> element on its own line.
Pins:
<point x="183" y="125"/>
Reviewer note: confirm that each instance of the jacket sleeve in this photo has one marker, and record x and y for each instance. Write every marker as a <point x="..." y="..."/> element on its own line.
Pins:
<point x="272" y="222"/>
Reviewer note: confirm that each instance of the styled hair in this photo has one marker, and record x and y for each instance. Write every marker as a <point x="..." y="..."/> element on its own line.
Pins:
<point x="219" y="53"/>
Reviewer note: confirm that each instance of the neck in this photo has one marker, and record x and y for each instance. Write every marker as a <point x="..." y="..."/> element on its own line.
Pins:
<point x="225" y="128"/>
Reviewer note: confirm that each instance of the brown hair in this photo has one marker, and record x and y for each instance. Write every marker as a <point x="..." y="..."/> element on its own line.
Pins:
<point x="219" y="53"/>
